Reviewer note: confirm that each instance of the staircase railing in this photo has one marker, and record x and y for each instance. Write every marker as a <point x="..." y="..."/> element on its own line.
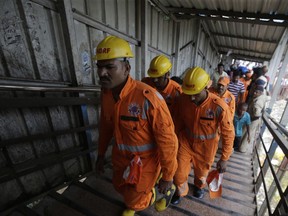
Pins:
<point x="270" y="167"/>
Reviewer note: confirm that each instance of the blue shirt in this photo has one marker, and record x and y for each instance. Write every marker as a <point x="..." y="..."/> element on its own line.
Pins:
<point x="240" y="122"/>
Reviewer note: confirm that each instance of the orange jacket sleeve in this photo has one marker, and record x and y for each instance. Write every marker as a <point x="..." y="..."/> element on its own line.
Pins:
<point x="227" y="133"/>
<point x="164" y="135"/>
<point x="178" y="122"/>
<point x="232" y="104"/>
<point x="106" y="126"/>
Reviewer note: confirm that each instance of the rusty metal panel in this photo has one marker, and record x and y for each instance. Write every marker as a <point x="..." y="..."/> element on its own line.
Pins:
<point x="14" y="59"/>
<point x="36" y="162"/>
<point x="31" y="42"/>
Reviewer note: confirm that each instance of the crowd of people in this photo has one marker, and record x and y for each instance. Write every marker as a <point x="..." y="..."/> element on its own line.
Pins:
<point x="162" y="126"/>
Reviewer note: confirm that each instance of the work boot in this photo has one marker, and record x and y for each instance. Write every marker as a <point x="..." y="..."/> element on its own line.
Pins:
<point x="164" y="202"/>
<point x="128" y="212"/>
<point x="198" y="193"/>
<point x="175" y="200"/>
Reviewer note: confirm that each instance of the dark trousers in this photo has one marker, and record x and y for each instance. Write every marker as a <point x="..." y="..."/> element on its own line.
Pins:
<point x="237" y="141"/>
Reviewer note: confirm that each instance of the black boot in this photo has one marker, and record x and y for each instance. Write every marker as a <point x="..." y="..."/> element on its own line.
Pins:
<point x="175" y="199"/>
<point x="198" y="193"/>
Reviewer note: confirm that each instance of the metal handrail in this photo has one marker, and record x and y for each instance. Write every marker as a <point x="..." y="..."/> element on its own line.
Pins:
<point x="282" y="142"/>
<point x="279" y="140"/>
<point x="279" y="126"/>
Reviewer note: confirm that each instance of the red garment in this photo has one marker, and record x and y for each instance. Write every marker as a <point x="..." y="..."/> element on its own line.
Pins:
<point x="246" y="84"/>
<point x="170" y="93"/>
<point x="198" y="135"/>
<point x="142" y="125"/>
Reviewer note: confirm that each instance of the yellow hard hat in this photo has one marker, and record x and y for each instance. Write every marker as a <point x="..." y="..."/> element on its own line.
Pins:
<point x="159" y="66"/>
<point x="113" y="47"/>
<point x="195" y="80"/>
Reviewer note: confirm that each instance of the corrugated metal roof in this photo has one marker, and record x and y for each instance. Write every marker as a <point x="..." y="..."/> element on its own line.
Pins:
<point x="254" y="35"/>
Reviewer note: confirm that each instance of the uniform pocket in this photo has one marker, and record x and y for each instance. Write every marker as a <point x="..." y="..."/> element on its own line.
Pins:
<point x="133" y="123"/>
<point x="207" y="122"/>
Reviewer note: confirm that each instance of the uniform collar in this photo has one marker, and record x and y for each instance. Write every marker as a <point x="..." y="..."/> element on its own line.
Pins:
<point x="166" y="87"/>
<point x="130" y="83"/>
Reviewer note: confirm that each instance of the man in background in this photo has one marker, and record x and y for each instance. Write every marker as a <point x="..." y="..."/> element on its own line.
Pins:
<point x="255" y="109"/>
<point x="222" y="92"/>
<point x="159" y="72"/>
<point x="198" y="116"/>
<point x="217" y="74"/>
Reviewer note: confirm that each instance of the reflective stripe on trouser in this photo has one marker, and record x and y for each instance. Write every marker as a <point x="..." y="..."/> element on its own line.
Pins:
<point x="201" y="158"/>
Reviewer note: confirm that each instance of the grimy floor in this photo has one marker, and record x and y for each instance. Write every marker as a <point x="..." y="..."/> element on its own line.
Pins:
<point x="96" y="196"/>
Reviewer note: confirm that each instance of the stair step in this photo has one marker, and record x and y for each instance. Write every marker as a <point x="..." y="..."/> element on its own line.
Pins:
<point x="50" y="206"/>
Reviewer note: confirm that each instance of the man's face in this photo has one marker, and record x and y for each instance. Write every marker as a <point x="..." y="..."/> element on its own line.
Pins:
<point x="221" y="88"/>
<point x="220" y="69"/>
<point x="235" y="79"/>
<point x="198" y="98"/>
<point x="160" y="82"/>
<point x="112" y="72"/>
<point x="242" y="109"/>
<point x="257" y="93"/>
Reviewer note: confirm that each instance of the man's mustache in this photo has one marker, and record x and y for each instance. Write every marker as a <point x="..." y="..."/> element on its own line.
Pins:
<point x="104" y="78"/>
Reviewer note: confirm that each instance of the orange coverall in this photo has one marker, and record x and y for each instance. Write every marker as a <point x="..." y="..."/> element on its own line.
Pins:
<point x="142" y="125"/>
<point x="197" y="129"/>
<point x="170" y="93"/>
<point x="228" y="98"/>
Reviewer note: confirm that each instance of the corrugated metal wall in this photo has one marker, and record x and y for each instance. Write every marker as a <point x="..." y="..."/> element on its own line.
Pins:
<point x="51" y="44"/>
<point x="34" y="46"/>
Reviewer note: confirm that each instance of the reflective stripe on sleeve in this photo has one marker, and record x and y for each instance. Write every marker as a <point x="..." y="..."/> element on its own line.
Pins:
<point x="159" y="96"/>
<point x="218" y="112"/>
<point x="145" y="109"/>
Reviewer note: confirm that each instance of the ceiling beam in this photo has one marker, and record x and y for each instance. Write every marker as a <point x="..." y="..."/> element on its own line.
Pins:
<point x="243" y="50"/>
<point x="160" y="6"/>
<point x="228" y="13"/>
<point x="246" y="57"/>
<point x="245" y="38"/>
<point x="250" y="58"/>
<point x="244" y="20"/>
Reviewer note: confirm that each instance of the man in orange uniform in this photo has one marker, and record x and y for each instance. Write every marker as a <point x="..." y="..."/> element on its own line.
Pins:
<point x="222" y="92"/>
<point x="198" y="116"/>
<point x="159" y="78"/>
<point x="139" y="119"/>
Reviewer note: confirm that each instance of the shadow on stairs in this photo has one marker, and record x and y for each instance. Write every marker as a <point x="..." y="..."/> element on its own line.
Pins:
<point x="94" y="195"/>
